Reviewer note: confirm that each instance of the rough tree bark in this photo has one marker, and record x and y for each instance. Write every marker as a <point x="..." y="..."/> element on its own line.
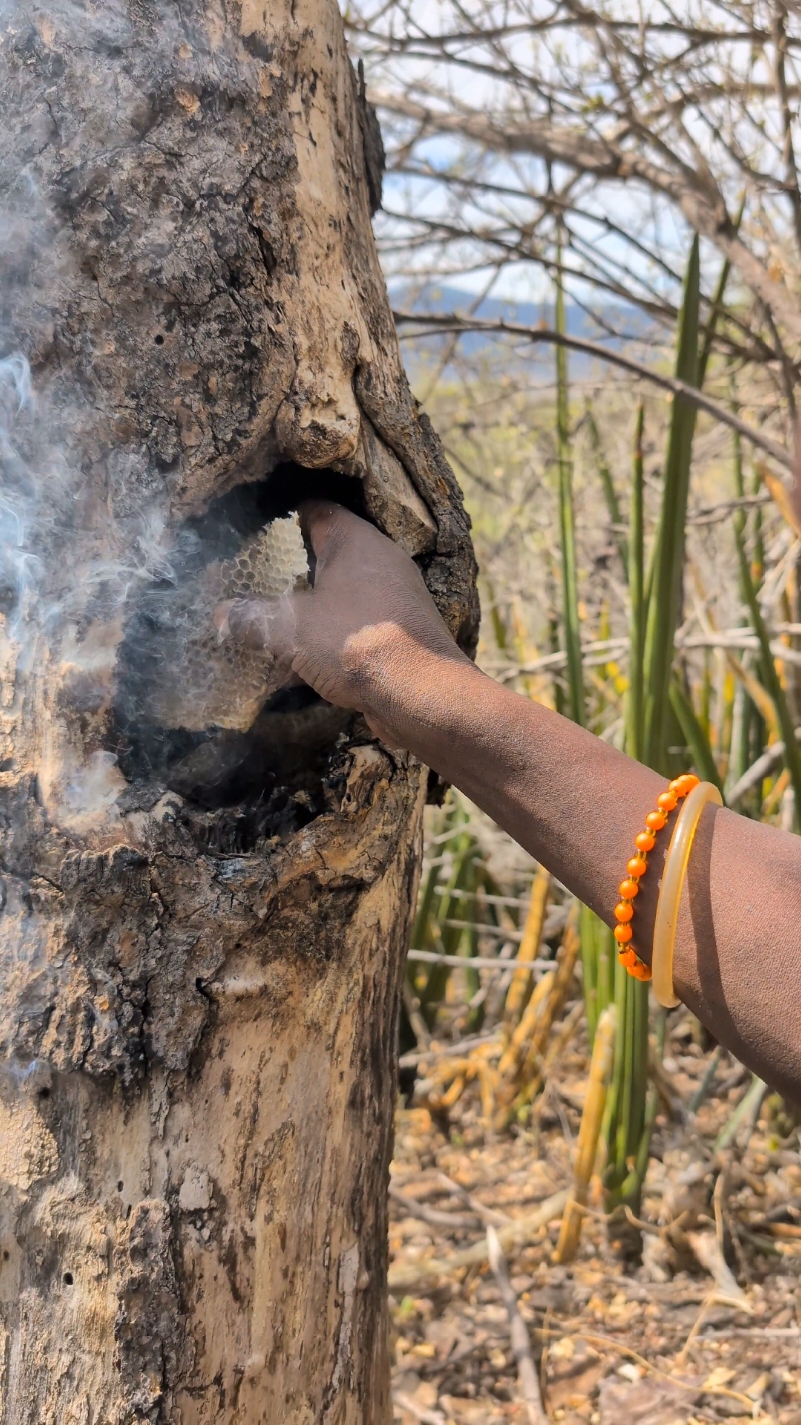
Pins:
<point x="202" y="927"/>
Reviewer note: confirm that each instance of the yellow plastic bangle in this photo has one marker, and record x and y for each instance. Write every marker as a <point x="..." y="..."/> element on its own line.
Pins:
<point x="671" y="887"/>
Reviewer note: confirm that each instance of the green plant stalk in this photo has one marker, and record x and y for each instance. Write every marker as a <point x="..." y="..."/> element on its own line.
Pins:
<point x="589" y="969"/>
<point x="656" y="601"/>
<point x="605" y="958"/>
<point x="572" y="629"/>
<point x="755" y="720"/>
<point x="613" y="1102"/>
<point x="553" y="637"/>
<point x="636" y="553"/>
<point x="469" y="949"/>
<point x="420" y="929"/>
<point x="595" y="976"/>
<point x="724" y="722"/>
<point x="624" y="1122"/>
<point x="631" y="1189"/>
<point x="610" y="493"/>
<point x="499" y="628"/>
<point x="627" y="1125"/>
<point x="706" y="1082"/>
<point x="694" y="735"/>
<point x="738" y="747"/>
<point x="716" y="309"/>
<point x="750" y="726"/>
<point x="639" y="1056"/>
<point x="705" y="713"/>
<point x="598" y="958"/>
<point x="770" y="678"/>
<point x="447" y="938"/>
<point x="613" y="1097"/>
<point x="717" y="304"/>
<point x="749" y="1105"/>
<point x="666" y="594"/>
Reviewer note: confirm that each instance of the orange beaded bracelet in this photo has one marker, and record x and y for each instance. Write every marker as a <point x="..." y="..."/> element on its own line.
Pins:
<point x="629" y="888"/>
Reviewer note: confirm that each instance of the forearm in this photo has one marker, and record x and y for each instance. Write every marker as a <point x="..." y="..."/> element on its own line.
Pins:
<point x="367" y="636"/>
<point x="576" y="804"/>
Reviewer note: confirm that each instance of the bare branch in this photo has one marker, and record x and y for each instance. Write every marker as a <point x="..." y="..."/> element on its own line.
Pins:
<point x="450" y="322"/>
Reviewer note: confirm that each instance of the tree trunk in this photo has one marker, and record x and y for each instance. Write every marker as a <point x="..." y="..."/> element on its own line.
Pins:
<point x="206" y="882"/>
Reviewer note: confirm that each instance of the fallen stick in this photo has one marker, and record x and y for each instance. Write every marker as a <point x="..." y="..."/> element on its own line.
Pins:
<point x="779" y="1333"/>
<point x="511" y="1238"/>
<point x="727" y="1290"/>
<point x="518" y="1334"/>
<point x="479" y="962"/>
<point x="594" y="1338"/>
<point x="431" y="1215"/>
<point x="410" y="1407"/>
<point x="487" y="1214"/>
<point x="438" y="1051"/>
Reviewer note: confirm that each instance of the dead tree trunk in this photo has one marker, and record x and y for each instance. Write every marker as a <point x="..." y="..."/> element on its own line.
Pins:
<point x="206" y="884"/>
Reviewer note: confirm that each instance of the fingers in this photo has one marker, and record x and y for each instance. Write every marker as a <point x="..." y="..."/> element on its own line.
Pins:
<point x="326" y="526"/>
<point x="318" y="519"/>
<point x="388" y="738"/>
<point x="270" y="624"/>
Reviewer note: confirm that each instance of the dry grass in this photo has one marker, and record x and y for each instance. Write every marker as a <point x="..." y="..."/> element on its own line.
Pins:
<point x="692" y="1312"/>
<point x="610" y="1333"/>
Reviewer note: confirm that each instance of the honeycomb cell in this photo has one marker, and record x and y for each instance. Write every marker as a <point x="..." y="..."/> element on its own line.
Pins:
<point x="207" y="683"/>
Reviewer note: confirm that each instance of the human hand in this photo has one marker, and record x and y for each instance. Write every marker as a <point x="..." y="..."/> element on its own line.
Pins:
<point x="363" y="632"/>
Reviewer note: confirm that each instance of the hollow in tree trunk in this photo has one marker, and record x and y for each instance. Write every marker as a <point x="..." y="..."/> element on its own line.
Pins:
<point x="206" y="879"/>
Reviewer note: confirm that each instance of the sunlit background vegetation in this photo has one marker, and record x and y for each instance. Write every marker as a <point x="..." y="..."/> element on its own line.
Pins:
<point x="560" y="287"/>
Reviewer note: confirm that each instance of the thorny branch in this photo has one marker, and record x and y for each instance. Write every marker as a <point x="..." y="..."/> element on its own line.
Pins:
<point x="449" y="323"/>
<point x="645" y="125"/>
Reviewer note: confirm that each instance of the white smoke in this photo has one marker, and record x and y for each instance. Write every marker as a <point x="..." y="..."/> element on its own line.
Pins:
<point x="68" y="566"/>
<point x="106" y="643"/>
<point x="19" y="564"/>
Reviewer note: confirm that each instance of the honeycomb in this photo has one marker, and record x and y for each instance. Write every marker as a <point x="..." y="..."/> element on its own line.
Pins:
<point x="202" y="682"/>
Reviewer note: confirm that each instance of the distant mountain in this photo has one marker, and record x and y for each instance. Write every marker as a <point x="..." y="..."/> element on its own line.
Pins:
<point x="629" y="321"/>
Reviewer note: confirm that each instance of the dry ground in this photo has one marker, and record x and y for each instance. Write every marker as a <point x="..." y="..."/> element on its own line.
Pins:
<point x="618" y="1338"/>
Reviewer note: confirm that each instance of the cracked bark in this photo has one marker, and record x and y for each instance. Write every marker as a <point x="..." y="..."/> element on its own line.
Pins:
<point x="197" y="1000"/>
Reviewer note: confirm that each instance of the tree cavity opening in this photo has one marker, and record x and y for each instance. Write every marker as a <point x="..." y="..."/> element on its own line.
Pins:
<point x="199" y="717"/>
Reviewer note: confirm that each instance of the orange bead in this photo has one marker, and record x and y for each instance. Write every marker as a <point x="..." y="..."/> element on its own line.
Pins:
<point x="624" y="911"/>
<point x="640" y="971"/>
<point x="628" y="889"/>
<point x="622" y="934"/>
<point x="637" y="866"/>
<point x="667" y="801"/>
<point x="627" y="958"/>
<point x="677" y="786"/>
<point x="688" y="781"/>
<point x="655" y="820"/>
<point x="645" y="841"/>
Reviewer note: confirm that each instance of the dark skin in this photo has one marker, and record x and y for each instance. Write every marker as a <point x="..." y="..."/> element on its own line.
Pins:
<point x="368" y="637"/>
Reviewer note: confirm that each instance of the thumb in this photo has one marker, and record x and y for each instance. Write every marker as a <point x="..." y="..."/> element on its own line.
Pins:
<point x="329" y="528"/>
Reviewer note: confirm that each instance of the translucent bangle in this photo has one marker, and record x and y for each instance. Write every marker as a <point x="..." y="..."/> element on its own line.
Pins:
<point x="671" y="887"/>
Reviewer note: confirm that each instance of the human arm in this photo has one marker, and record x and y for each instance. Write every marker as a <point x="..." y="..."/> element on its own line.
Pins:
<point x="369" y="637"/>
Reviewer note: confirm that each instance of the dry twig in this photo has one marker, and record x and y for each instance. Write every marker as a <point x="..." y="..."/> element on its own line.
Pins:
<point x="518" y="1334"/>
<point x="431" y="1215"/>
<point x="426" y="1417"/>
<point x="514" y="1236"/>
